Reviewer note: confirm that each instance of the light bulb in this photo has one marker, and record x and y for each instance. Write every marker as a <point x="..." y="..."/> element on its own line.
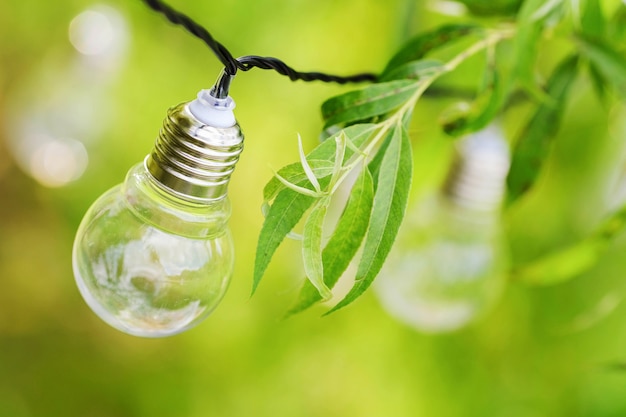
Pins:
<point x="448" y="269"/>
<point x="154" y="256"/>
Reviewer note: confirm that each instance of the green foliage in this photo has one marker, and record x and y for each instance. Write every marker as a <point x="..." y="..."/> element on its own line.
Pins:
<point x="390" y="198"/>
<point x="288" y="205"/>
<point x="607" y="61"/>
<point x="481" y="112"/>
<point x="532" y="149"/>
<point x="372" y="142"/>
<point x="345" y="241"/>
<point x="312" y="247"/>
<point x="417" y="48"/>
<point x="375" y="100"/>
<point x="491" y="7"/>
<point x="574" y="259"/>
<point x="545" y="351"/>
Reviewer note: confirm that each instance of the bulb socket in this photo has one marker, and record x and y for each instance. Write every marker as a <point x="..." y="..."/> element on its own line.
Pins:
<point x="193" y="160"/>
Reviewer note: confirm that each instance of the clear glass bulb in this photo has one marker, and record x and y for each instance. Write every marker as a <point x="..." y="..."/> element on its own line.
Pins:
<point x="154" y="255"/>
<point x="447" y="268"/>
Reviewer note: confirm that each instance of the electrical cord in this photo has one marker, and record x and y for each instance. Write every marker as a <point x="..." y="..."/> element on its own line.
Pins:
<point x="246" y="63"/>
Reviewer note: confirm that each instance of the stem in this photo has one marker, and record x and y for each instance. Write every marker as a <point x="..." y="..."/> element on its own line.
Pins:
<point x="488" y="43"/>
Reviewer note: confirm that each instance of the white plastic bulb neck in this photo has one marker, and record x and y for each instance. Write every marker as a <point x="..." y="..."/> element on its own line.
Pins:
<point x="213" y="111"/>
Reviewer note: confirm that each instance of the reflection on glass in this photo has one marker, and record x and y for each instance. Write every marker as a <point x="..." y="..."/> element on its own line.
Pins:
<point x="151" y="266"/>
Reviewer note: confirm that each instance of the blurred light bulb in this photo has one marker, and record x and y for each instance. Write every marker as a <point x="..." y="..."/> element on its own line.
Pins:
<point x="91" y="32"/>
<point x="153" y="256"/>
<point x="57" y="162"/>
<point x="64" y="105"/>
<point x="100" y="36"/>
<point x="443" y="274"/>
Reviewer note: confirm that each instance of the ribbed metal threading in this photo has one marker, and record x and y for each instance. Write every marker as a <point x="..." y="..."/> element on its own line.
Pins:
<point x="193" y="160"/>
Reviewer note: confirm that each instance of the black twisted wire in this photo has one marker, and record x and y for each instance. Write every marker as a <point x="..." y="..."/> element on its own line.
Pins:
<point x="246" y="63"/>
<point x="225" y="57"/>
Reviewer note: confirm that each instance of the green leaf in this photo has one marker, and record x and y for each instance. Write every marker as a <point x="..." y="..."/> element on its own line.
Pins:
<point x="312" y="247"/>
<point x="594" y="25"/>
<point x="375" y="163"/>
<point x="617" y="26"/>
<point x="575" y="259"/>
<point x="599" y="81"/>
<point x="295" y="174"/>
<point x="610" y="63"/>
<point x="533" y="146"/>
<point x="492" y="7"/>
<point x="526" y="45"/>
<point x="545" y="9"/>
<point x="562" y="265"/>
<point x="288" y="208"/>
<point x="373" y="100"/>
<point x="321" y="160"/>
<point x="417" y="47"/>
<point x="592" y="20"/>
<point x="390" y="199"/>
<point x="531" y="21"/>
<point x="307" y="168"/>
<point x="414" y="70"/>
<point x="344" y="242"/>
<point x="481" y="112"/>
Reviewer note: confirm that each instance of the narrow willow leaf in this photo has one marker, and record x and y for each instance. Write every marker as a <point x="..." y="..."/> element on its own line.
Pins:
<point x="533" y="146"/>
<point x="302" y="190"/>
<point x="599" y="81"/>
<point x="344" y="242"/>
<point x="312" y="247"/>
<point x="357" y="134"/>
<point x="373" y="100"/>
<point x="610" y="62"/>
<point x="374" y="165"/>
<point x="562" y="265"/>
<point x="575" y="259"/>
<point x="288" y="206"/>
<point x="414" y="70"/>
<point x="341" y="143"/>
<point x="530" y="26"/>
<point x="545" y="9"/>
<point x="594" y="25"/>
<point x="307" y="168"/>
<point x="417" y="47"/>
<point x="616" y="27"/>
<point x="481" y="112"/>
<point x="592" y="20"/>
<point x="526" y="46"/>
<point x="526" y="41"/>
<point x="294" y="174"/>
<point x="492" y="8"/>
<point x="388" y="210"/>
<point x="321" y="160"/>
<point x="282" y="216"/>
<point x="529" y="10"/>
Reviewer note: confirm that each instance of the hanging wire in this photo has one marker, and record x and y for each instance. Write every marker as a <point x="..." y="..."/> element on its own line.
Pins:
<point x="246" y="63"/>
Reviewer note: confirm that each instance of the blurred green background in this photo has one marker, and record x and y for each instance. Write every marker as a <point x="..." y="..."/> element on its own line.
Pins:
<point x="543" y="351"/>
